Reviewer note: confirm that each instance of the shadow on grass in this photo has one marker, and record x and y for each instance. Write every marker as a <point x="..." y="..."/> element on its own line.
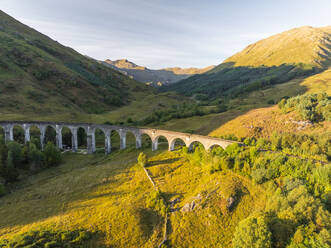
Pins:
<point x="108" y="194"/>
<point x="159" y="162"/>
<point x="149" y="219"/>
<point x="238" y="198"/>
<point x="52" y="201"/>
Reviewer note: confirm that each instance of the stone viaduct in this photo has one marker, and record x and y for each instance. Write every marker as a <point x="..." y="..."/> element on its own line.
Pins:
<point x="154" y="134"/>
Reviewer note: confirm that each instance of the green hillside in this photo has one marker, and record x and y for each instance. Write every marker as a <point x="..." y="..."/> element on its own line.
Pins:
<point x="39" y="75"/>
<point x="297" y="53"/>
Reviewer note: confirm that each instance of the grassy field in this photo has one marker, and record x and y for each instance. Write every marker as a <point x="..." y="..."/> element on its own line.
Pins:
<point x="92" y="192"/>
<point x="107" y="194"/>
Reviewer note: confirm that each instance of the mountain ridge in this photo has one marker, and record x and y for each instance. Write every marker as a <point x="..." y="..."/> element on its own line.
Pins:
<point x="296" y="53"/>
<point x="155" y="77"/>
<point x="304" y="44"/>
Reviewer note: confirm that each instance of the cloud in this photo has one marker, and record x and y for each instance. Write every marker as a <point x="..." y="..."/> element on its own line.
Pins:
<point x="157" y="33"/>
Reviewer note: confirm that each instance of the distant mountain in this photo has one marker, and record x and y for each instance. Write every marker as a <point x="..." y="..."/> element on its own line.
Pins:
<point x="190" y="70"/>
<point x="297" y="53"/>
<point x="39" y="75"/>
<point x="153" y="77"/>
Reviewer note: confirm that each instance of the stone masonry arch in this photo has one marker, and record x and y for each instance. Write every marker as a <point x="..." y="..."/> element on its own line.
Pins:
<point x="90" y="128"/>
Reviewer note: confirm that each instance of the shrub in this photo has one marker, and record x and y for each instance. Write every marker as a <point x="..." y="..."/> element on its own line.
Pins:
<point x="184" y="150"/>
<point x="52" y="244"/>
<point x="142" y="159"/>
<point x="155" y="201"/>
<point x="82" y="236"/>
<point x="233" y="150"/>
<point x="49" y="239"/>
<point x="261" y="143"/>
<point x="313" y="107"/>
<point x="11" y="174"/>
<point x="253" y="152"/>
<point x="226" y="163"/>
<point x="276" y="142"/>
<point x="259" y="175"/>
<point x="281" y="104"/>
<point x="25" y="154"/>
<point x="2" y="189"/>
<point x="36" y="157"/>
<point x="16" y="151"/>
<point x="252" y="232"/>
<point x="52" y="155"/>
<point x="304" y="238"/>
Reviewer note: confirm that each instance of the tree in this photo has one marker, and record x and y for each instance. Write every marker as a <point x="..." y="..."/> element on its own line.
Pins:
<point x="52" y="155"/>
<point x="11" y="173"/>
<point x="252" y="233"/>
<point x="142" y="159"/>
<point x="16" y="151"/>
<point x="36" y="157"/>
<point x="2" y="189"/>
<point x="36" y="141"/>
<point x="25" y="154"/>
<point x="3" y="155"/>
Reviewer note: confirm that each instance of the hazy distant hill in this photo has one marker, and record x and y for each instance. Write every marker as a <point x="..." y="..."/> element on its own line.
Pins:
<point x="39" y="75"/>
<point x="296" y="53"/>
<point x="154" y="77"/>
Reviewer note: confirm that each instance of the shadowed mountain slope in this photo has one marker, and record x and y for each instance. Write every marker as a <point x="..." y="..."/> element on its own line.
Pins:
<point x="38" y="74"/>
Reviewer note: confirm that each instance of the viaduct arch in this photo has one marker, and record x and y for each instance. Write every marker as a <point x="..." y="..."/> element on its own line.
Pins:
<point x="90" y="129"/>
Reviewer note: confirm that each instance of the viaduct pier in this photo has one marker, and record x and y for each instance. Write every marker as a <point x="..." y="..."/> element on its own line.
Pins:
<point x="90" y="129"/>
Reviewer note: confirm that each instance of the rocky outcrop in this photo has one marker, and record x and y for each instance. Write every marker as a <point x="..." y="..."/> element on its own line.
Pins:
<point x="191" y="206"/>
<point x="230" y="203"/>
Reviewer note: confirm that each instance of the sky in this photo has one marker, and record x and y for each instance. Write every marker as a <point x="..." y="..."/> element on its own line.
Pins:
<point x="165" y="33"/>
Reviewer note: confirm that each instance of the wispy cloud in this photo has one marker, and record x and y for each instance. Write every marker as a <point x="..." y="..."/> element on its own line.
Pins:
<point x="158" y="33"/>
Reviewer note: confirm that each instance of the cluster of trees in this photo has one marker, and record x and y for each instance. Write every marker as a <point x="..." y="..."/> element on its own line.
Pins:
<point x="230" y="81"/>
<point x="16" y="159"/>
<point x="313" y="107"/>
<point x="301" y="145"/>
<point x="297" y="213"/>
<point x="49" y="239"/>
